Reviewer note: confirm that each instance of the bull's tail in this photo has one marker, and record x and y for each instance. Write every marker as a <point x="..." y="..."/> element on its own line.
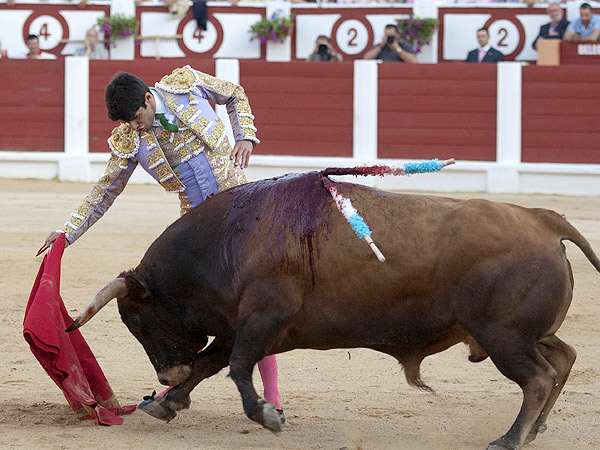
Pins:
<point x="567" y="231"/>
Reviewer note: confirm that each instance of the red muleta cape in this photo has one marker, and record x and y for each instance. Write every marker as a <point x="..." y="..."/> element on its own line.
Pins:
<point x="66" y="357"/>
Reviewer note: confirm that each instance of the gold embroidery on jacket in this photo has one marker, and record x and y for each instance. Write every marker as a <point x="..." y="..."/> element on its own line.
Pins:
<point x="185" y="204"/>
<point x="226" y="174"/>
<point x="124" y="142"/>
<point x="109" y="178"/>
<point x="214" y="136"/>
<point x="157" y="161"/>
<point x="181" y="79"/>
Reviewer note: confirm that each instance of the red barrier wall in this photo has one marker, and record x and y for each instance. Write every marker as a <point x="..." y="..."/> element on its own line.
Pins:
<point x="301" y="108"/>
<point x="560" y="114"/>
<point x="32" y="105"/>
<point x="583" y="53"/>
<point x="442" y="110"/>
<point x="425" y="111"/>
<point x="101" y="73"/>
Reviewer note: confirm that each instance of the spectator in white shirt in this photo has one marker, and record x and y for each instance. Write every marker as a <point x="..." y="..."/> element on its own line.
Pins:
<point x="33" y="44"/>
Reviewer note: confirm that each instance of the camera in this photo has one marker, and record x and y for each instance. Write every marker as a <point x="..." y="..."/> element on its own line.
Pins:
<point x="323" y="50"/>
<point x="390" y="39"/>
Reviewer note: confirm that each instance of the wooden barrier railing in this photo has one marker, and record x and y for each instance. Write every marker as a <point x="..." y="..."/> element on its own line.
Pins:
<point x="309" y="109"/>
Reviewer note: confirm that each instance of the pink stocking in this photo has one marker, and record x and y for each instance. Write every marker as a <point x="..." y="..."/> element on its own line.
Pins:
<point x="268" y="372"/>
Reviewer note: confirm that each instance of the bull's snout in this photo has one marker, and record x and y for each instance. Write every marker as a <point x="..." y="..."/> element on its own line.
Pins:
<point x="172" y="376"/>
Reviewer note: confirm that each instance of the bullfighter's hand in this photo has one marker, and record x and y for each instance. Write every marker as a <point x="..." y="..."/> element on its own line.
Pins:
<point x="50" y="240"/>
<point x="241" y="152"/>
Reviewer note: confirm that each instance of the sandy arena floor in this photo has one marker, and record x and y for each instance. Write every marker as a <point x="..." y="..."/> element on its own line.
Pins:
<point x="334" y="400"/>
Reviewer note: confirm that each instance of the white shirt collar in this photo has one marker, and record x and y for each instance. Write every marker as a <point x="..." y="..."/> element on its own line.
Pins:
<point x="160" y="105"/>
<point x="161" y="108"/>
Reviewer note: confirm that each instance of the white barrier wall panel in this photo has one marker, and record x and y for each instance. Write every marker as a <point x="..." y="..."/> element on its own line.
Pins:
<point x="449" y="180"/>
<point x="508" y="129"/>
<point x="77" y="105"/>
<point x="365" y="111"/>
<point x="227" y="69"/>
<point x="40" y="170"/>
<point x="587" y="185"/>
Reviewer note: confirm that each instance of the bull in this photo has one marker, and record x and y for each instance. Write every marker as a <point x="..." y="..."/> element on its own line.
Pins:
<point x="272" y="266"/>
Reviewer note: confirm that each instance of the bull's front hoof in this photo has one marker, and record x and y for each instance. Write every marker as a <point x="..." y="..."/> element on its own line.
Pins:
<point x="494" y="446"/>
<point x="270" y="417"/>
<point x="534" y="432"/>
<point x="158" y="408"/>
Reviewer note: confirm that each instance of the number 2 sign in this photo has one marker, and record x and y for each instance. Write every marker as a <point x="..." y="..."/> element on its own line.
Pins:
<point x="352" y="37"/>
<point x="504" y="36"/>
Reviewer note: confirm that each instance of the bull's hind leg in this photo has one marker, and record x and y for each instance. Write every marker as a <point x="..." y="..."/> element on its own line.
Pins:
<point x="208" y="362"/>
<point x="561" y="357"/>
<point x="525" y="365"/>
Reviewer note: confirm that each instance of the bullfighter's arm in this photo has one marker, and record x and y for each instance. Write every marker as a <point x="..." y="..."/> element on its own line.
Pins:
<point x="222" y="92"/>
<point x="102" y="196"/>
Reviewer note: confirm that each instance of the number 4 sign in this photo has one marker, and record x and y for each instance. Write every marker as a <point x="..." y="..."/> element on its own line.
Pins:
<point x="48" y="29"/>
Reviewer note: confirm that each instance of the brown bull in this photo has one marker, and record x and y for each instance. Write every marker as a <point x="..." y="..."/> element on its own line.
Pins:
<point x="272" y="266"/>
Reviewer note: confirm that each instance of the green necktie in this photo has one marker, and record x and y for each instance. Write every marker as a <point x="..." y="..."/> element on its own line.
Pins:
<point x="165" y="123"/>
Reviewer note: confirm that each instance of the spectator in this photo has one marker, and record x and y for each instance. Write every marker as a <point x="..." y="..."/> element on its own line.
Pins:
<point x="485" y="53"/>
<point x="82" y="4"/>
<point x="324" y="51"/>
<point x="584" y="28"/>
<point x="392" y="48"/>
<point x="177" y="8"/>
<point x="531" y="3"/>
<point x="92" y="48"/>
<point x="557" y="26"/>
<point x="33" y="44"/>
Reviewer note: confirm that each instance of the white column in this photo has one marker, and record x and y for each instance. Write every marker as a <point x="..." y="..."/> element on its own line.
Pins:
<point x="279" y="51"/>
<point x="227" y="69"/>
<point x="74" y="165"/>
<point x="364" y="138"/>
<point x="427" y="9"/>
<point x="77" y="105"/>
<point x="125" y="46"/>
<point x="505" y="177"/>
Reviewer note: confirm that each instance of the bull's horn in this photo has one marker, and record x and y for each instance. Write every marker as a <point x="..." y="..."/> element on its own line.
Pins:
<point x="112" y="289"/>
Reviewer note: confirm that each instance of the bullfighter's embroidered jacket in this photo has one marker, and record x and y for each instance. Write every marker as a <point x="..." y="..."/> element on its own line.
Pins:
<point x="186" y="92"/>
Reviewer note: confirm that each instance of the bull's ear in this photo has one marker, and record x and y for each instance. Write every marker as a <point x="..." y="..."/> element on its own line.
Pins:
<point x="113" y="289"/>
<point x="136" y="287"/>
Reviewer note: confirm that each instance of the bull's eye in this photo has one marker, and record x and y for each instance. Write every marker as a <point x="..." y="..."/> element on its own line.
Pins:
<point x="135" y="321"/>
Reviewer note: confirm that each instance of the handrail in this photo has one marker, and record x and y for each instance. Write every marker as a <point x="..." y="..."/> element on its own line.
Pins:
<point x="157" y="39"/>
